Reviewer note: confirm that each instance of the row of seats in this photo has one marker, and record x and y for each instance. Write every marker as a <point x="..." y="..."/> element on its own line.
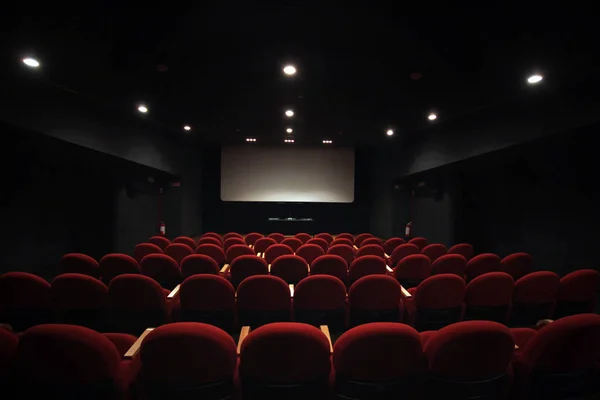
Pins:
<point x="466" y="360"/>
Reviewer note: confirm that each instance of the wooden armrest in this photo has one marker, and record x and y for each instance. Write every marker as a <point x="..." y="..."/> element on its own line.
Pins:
<point x="269" y="268"/>
<point x="225" y="268"/>
<point x="386" y="255"/>
<point x="388" y="268"/>
<point x="133" y="350"/>
<point x="243" y="333"/>
<point x="291" y="286"/>
<point x="355" y="247"/>
<point x="262" y="255"/>
<point x="325" y="330"/>
<point x="516" y="347"/>
<point x="405" y="292"/>
<point x="259" y="255"/>
<point x="174" y="292"/>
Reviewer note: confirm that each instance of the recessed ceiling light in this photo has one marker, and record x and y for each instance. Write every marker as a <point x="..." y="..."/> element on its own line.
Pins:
<point x="187" y="128"/>
<point x="327" y="141"/>
<point x="535" y="78"/>
<point x="250" y="140"/>
<point x="289" y="113"/>
<point x="31" y="62"/>
<point x="289" y="130"/>
<point x="389" y="132"/>
<point x="432" y="117"/>
<point x="289" y="140"/>
<point x="289" y="70"/>
<point x="142" y="108"/>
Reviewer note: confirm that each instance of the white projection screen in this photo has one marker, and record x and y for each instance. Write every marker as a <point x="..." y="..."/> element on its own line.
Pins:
<point x="287" y="174"/>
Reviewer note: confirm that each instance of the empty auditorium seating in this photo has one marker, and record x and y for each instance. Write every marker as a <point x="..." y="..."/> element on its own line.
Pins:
<point x="267" y="354"/>
<point x="336" y="241"/>
<point x="198" y="264"/>
<point x="238" y="250"/>
<point x="24" y="300"/>
<point x="232" y="235"/>
<point x="390" y="245"/>
<point x="82" y="264"/>
<point x="345" y="236"/>
<point x="489" y="297"/>
<point x="449" y="264"/>
<point x="412" y="270"/>
<point x="162" y="268"/>
<point x="469" y="360"/>
<point x="227" y="243"/>
<point x="160" y="241"/>
<point x="210" y="240"/>
<point x="321" y="300"/>
<point x="278" y="237"/>
<point x="366" y="265"/>
<point x="464" y="249"/>
<point x="577" y="293"/>
<point x="370" y="250"/>
<point x="213" y="235"/>
<point x="213" y="251"/>
<point x="310" y="252"/>
<point x="402" y="251"/>
<point x="517" y="265"/>
<point x="209" y="299"/>
<point x="326" y="236"/>
<point x="251" y="238"/>
<point x="330" y="264"/>
<point x="275" y="251"/>
<point x="359" y="238"/>
<point x="262" y="244"/>
<point x="79" y="299"/>
<point x="345" y="251"/>
<point x="481" y="264"/>
<point x="262" y="299"/>
<point x="304" y="237"/>
<point x="185" y="240"/>
<point x="322" y="243"/>
<point x="420" y="242"/>
<point x="371" y="241"/>
<point x="290" y="268"/>
<point x="392" y="364"/>
<point x="116" y="264"/>
<point x="143" y="249"/>
<point x="534" y="298"/>
<point x="245" y="266"/>
<point x="187" y="360"/>
<point x="294" y="243"/>
<point x="178" y="251"/>
<point x="434" y="251"/>
<point x="375" y="298"/>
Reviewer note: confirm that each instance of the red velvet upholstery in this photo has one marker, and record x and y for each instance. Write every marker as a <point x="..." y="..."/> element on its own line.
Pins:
<point x="577" y="292"/>
<point x="82" y="264"/>
<point x="346" y="252"/>
<point x="534" y="297"/>
<point x="261" y="245"/>
<point x="402" y="251"/>
<point x="8" y="348"/>
<point x="162" y="268"/>
<point x="251" y="238"/>
<point x="336" y="241"/>
<point x="209" y="299"/>
<point x="330" y="264"/>
<point x="412" y="270"/>
<point x="304" y="237"/>
<point x="278" y="237"/>
<point x="116" y="264"/>
<point x="390" y="245"/>
<point x="482" y="264"/>
<point x="227" y="243"/>
<point x="359" y="238"/>
<point x="371" y="241"/>
<point x="420" y="242"/>
<point x="289" y="267"/>
<point x="143" y="249"/>
<point x="489" y="297"/>
<point x="310" y="252"/>
<point x="345" y="236"/>
<point x="326" y="236"/>
<point x="434" y="251"/>
<point x="322" y="243"/>
<point x="238" y="250"/>
<point x="321" y="300"/>
<point x="269" y="351"/>
<point x="437" y="302"/>
<point x="370" y="250"/>
<point x="79" y="299"/>
<point x="517" y="265"/>
<point x="245" y="266"/>
<point x="449" y="264"/>
<point x="232" y="235"/>
<point x="210" y="240"/>
<point x="294" y="243"/>
<point x="277" y="250"/>
<point x="178" y="251"/>
<point x="213" y="251"/>
<point x="160" y="241"/>
<point x="185" y="240"/>
<point x="198" y="264"/>
<point x="263" y="299"/>
<point x="464" y="249"/>
<point x="122" y="341"/>
<point x="213" y="235"/>
<point x="366" y="265"/>
<point x="375" y="298"/>
<point x="24" y="300"/>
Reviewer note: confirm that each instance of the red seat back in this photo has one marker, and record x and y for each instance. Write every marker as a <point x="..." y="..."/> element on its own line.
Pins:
<point x="277" y="237"/>
<point x="440" y="291"/>
<point x="294" y="243"/>
<point x="82" y="264"/>
<point x="370" y="250"/>
<point x="330" y="264"/>
<point x="346" y="252"/>
<point x="482" y="264"/>
<point x="320" y="292"/>
<point x="209" y="299"/>
<point x="227" y="243"/>
<point x="116" y="264"/>
<point x="449" y="264"/>
<point x="359" y="238"/>
<point x="420" y="242"/>
<point x="277" y="250"/>
<point x="390" y="245"/>
<point x="326" y="236"/>
<point x="517" y="265"/>
<point x="345" y="236"/>
<point x="178" y="251"/>
<point x="322" y="243"/>
<point x="290" y="268"/>
<point x="185" y="240"/>
<point x="263" y="299"/>
<point x="336" y="241"/>
<point x="245" y="266"/>
<point x="251" y="238"/>
<point x="238" y="250"/>
<point x="210" y="240"/>
<point x="232" y="235"/>
<point x="370" y="241"/>
<point x="304" y="237"/>
<point x="143" y="249"/>
<point x="213" y="235"/>
<point x="213" y="251"/>
<point x="262" y="244"/>
<point x="375" y="293"/>
<point x="464" y="249"/>
<point x="160" y="241"/>
<point x="24" y="300"/>
<point x="413" y="269"/>
<point x="198" y="264"/>
<point x="310" y="252"/>
<point x="162" y="268"/>
<point x="402" y="251"/>
<point x="434" y="251"/>
<point x="366" y="265"/>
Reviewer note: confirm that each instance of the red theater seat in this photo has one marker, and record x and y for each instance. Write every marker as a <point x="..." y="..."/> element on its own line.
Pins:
<point x="198" y="264"/>
<point x="163" y="269"/>
<point x="370" y="250"/>
<point x="210" y="240"/>
<point x="116" y="264"/>
<point x="232" y="235"/>
<point x="213" y="251"/>
<point x="160" y="241"/>
<point x="278" y="237"/>
<point x="517" y="265"/>
<point x="238" y="250"/>
<point x="321" y="300"/>
<point x="185" y="240"/>
<point x="310" y="252"/>
<point x="304" y="237"/>
<point x="489" y="297"/>
<point x="482" y="264"/>
<point x="346" y="252"/>
<point x="8" y="348"/>
<point x="345" y="236"/>
<point x="263" y="244"/>
<point x="449" y="264"/>
<point x="290" y="268"/>
<point x="294" y="243"/>
<point x="178" y="251"/>
<point x="277" y="250"/>
<point x="143" y="249"/>
<point x="251" y="238"/>
<point x="420" y="242"/>
<point x="412" y="270"/>
<point x="534" y="298"/>
<point x="325" y="236"/>
<point x="245" y="266"/>
<point x="469" y="359"/>
<point x="263" y="299"/>
<point x="434" y="251"/>
<point x="375" y="298"/>
<point x="187" y="360"/>
<point x="268" y="353"/>
<point x="209" y="299"/>
<point x="464" y="249"/>
<point x="366" y="265"/>
<point x="79" y="300"/>
<point x="322" y="243"/>
<point x="81" y="264"/>
<point x="213" y="235"/>
<point x="330" y="264"/>
<point x="390" y="245"/>
<point x="402" y="251"/>
<point x="359" y="238"/>
<point x="232" y="241"/>
<point x="577" y="293"/>
<point x="24" y="300"/>
<point x="392" y="363"/>
<point x="371" y="241"/>
<point x="347" y="242"/>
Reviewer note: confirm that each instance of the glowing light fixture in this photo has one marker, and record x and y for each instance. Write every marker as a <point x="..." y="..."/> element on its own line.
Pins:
<point x="389" y="132"/>
<point x="31" y="62"/>
<point x="187" y="128"/>
<point x="289" y="140"/>
<point x="432" y="117"/>
<point x="535" y="79"/>
<point x="289" y="70"/>
<point x="289" y="130"/>
<point x="327" y="141"/>
<point x="289" y="113"/>
<point x="250" y="140"/>
<point x="142" y="108"/>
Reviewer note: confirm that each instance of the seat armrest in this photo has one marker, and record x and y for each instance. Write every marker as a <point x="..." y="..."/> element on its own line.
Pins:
<point x="355" y="247"/>
<point x="405" y="292"/>
<point x="135" y="348"/>
<point x="325" y="330"/>
<point x="291" y="286"/>
<point x="269" y="268"/>
<point x="174" y="292"/>
<point x="389" y="269"/>
<point x="243" y="333"/>
<point x="225" y="268"/>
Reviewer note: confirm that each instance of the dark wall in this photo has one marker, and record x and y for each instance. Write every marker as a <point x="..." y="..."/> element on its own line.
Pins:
<point x="223" y="216"/>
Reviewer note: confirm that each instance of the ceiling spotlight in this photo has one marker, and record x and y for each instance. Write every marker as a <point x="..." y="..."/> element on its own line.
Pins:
<point x="432" y="117"/>
<point x="289" y="70"/>
<point x="31" y="62"/>
<point x="289" y="113"/>
<point x="250" y="140"/>
<point x="535" y="78"/>
<point x="187" y="128"/>
<point x="289" y="130"/>
<point x="289" y="140"/>
<point x="389" y="132"/>
<point x="142" y="108"/>
<point x="327" y="142"/>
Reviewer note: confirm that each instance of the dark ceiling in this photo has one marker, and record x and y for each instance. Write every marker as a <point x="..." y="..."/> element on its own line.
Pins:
<point x="224" y="64"/>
